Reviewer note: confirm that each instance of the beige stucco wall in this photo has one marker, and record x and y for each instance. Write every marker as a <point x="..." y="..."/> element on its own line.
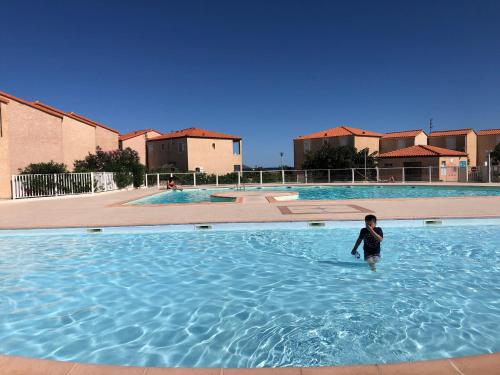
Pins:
<point x="164" y="152"/>
<point x="471" y="148"/>
<point x="372" y="143"/>
<point x="420" y="139"/>
<point x="139" y="144"/>
<point x="78" y="140"/>
<point x="203" y="155"/>
<point x="4" y="153"/>
<point x="485" y="143"/>
<point x="106" y="139"/>
<point x="34" y="136"/>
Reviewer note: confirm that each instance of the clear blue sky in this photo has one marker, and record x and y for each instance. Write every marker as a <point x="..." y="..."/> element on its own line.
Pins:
<point x="266" y="70"/>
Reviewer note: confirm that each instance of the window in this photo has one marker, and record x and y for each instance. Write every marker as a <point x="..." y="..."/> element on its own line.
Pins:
<point x="180" y="147"/>
<point x="401" y="144"/>
<point x="307" y="145"/>
<point x="325" y="141"/>
<point x="443" y="168"/>
<point x="163" y="146"/>
<point x="150" y="147"/>
<point x="388" y="165"/>
<point x="237" y="168"/>
<point x="236" y="148"/>
<point x="213" y="146"/>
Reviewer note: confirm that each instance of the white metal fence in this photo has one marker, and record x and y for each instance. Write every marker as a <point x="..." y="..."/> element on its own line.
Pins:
<point x="50" y="185"/>
<point x="347" y="175"/>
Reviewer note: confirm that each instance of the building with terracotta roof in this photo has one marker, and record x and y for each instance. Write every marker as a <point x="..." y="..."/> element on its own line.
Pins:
<point x="464" y="140"/>
<point x="195" y="149"/>
<point x="339" y="136"/>
<point x="487" y="139"/>
<point x="422" y="162"/>
<point x="33" y="132"/>
<point x="137" y="140"/>
<point x="402" y="139"/>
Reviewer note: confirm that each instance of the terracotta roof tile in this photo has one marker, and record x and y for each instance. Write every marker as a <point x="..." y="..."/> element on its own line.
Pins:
<point x="340" y="131"/>
<point x="25" y="102"/>
<point x="421" y="151"/>
<point x="489" y="132"/>
<point x="136" y="133"/>
<point x="403" y="134"/>
<point x="444" y="133"/>
<point x="195" y="133"/>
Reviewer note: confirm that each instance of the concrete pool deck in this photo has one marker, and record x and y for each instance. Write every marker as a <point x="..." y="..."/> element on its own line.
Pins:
<point x="109" y="209"/>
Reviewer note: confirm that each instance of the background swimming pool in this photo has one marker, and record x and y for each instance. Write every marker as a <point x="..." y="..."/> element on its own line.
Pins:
<point x="250" y="298"/>
<point x="184" y="196"/>
<point x="329" y="193"/>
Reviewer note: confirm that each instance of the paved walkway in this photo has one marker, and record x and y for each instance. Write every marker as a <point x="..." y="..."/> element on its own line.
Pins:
<point x="108" y="209"/>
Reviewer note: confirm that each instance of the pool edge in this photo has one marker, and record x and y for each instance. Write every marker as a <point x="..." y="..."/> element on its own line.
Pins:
<point x="484" y="364"/>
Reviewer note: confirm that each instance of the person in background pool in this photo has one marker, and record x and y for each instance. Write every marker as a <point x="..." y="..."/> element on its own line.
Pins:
<point x="172" y="185"/>
<point x="372" y="236"/>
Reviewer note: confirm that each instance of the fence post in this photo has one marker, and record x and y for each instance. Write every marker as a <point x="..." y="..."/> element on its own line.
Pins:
<point x="239" y="178"/>
<point x="92" y="182"/>
<point x="260" y="177"/>
<point x="158" y="181"/>
<point x="194" y="179"/>
<point x="55" y="179"/>
<point x="146" y="180"/>
<point x="329" y="179"/>
<point x="352" y="175"/>
<point x="376" y="169"/>
<point x="430" y="173"/>
<point x="216" y="179"/>
<point x="13" y="183"/>
<point x="305" y="176"/>
<point x="283" y="176"/>
<point x="403" y="175"/>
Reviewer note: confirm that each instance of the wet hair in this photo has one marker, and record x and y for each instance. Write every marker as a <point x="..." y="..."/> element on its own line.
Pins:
<point x="371" y="218"/>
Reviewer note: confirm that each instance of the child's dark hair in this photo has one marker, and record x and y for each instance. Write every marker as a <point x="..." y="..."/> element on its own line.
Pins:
<point x="371" y="218"/>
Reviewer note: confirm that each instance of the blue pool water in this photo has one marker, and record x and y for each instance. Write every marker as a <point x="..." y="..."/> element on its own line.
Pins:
<point x="249" y="298"/>
<point x="329" y="193"/>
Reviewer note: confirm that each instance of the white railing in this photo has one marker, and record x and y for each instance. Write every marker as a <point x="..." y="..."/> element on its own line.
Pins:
<point x="310" y="176"/>
<point x="51" y="185"/>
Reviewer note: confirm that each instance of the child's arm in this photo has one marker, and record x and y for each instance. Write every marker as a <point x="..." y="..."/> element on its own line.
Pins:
<point x="377" y="236"/>
<point x="358" y="242"/>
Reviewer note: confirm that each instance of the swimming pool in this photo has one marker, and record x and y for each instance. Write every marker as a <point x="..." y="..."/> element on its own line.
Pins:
<point x="256" y="295"/>
<point x="324" y="192"/>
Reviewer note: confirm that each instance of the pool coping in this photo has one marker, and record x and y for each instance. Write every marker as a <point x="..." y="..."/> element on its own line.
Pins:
<point x="483" y="364"/>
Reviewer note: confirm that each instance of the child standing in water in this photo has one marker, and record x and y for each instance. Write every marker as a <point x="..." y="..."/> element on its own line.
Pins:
<point x="372" y="236"/>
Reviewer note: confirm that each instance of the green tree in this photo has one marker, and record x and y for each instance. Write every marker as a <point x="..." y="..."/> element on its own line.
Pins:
<point x="124" y="163"/>
<point x="330" y="157"/>
<point x="44" y="168"/>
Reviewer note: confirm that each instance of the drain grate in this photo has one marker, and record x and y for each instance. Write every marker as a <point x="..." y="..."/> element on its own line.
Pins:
<point x="433" y="222"/>
<point x="203" y="227"/>
<point x="94" y="230"/>
<point x="316" y="224"/>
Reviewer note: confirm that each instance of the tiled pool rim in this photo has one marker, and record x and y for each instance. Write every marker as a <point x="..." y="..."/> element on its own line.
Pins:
<point x="478" y="364"/>
<point x="486" y="364"/>
<point x="258" y="225"/>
